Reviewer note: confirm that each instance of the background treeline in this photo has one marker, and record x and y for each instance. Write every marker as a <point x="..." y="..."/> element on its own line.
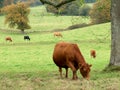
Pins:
<point x="34" y="2"/>
<point x="98" y="10"/>
<point x="8" y="2"/>
<point x="73" y="8"/>
<point x="90" y="1"/>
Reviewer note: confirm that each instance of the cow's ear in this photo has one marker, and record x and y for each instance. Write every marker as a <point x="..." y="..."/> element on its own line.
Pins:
<point x="90" y="65"/>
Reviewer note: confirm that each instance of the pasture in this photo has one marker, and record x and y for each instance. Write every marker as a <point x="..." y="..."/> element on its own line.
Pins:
<point x="28" y="65"/>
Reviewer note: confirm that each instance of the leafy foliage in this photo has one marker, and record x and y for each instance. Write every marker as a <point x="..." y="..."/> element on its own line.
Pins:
<point x="1" y="3"/>
<point x="90" y="1"/>
<point x="32" y="2"/>
<point x="17" y="15"/>
<point x="66" y="9"/>
<point x="84" y="10"/>
<point x="100" y="12"/>
<point x="71" y="7"/>
<point x="5" y="2"/>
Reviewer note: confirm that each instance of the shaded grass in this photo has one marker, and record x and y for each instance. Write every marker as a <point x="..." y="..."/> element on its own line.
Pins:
<point x="36" y="81"/>
<point x="112" y="68"/>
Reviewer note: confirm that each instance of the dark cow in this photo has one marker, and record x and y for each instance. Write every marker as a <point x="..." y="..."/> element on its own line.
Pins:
<point x="8" y="39"/>
<point x="93" y="53"/>
<point x="68" y="55"/>
<point x="26" y="38"/>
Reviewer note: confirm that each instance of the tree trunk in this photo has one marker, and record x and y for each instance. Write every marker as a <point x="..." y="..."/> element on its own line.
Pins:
<point x="115" y="34"/>
<point x="22" y="30"/>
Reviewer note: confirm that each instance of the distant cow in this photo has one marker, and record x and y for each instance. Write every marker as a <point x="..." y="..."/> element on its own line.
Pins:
<point x="93" y="53"/>
<point x="26" y="38"/>
<point x="57" y="34"/>
<point x="68" y="55"/>
<point x="8" y="39"/>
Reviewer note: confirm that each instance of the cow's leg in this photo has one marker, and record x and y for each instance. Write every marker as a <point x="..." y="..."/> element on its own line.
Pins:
<point x="66" y="72"/>
<point x="60" y="70"/>
<point x="73" y="69"/>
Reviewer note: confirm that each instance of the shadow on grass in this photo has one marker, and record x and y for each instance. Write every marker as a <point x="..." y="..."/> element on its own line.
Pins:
<point x="72" y="27"/>
<point x="112" y="69"/>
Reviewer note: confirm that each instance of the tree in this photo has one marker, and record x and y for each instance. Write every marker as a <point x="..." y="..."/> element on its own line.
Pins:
<point x="115" y="34"/>
<point x="17" y="16"/>
<point x="31" y="2"/>
<point x="67" y="9"/>
<point x="100" y="12"/>
<point x="115" y="29"/>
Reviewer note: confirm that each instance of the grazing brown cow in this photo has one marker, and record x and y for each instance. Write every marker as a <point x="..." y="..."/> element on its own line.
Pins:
<point x="57" y="34"/>
<point x="68" y="55"/>
<point x="8" y="39"/>
<point x="93" y="53"/>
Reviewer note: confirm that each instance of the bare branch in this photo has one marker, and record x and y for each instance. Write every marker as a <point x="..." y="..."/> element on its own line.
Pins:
<point x="56" y="5"/>
<point x="64" y="2"/>
<point x="48" y="2"/>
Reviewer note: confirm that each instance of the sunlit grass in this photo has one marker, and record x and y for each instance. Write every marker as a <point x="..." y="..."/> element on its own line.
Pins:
<point x="28" y="65"/>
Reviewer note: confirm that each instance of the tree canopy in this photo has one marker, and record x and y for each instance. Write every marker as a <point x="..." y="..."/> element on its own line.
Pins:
<point x="100" y="13"/>
<point x="17" y="16"/>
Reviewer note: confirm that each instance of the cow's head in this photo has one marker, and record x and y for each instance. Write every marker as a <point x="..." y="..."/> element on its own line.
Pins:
<point x="85" y="70"/>
<point x="10" y="40"/>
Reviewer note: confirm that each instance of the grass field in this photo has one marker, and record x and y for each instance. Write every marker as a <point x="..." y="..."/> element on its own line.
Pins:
<point x="28" y="65"/>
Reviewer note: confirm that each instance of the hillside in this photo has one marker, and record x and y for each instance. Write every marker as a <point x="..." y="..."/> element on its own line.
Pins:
<point x="28" y="65"/>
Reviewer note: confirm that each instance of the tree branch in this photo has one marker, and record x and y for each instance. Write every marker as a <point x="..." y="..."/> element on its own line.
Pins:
<point x="56" y="5"/>
<point x="63" y="2"/>
<point x="48" y="2"/>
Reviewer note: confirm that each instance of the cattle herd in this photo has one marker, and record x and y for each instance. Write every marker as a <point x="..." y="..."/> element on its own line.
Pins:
<point x="56" y="34"/>
<point x="10" y="38"/>
<point x="68" y="55"/>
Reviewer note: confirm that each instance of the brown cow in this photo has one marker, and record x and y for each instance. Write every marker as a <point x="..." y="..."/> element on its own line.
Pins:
<point x="93" y="53"/>
<point x="58" y="34"/>
<point x="8" y="39"/>
<point x="68" y="55"/>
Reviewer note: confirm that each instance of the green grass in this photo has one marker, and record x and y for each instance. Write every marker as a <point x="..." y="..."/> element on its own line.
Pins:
<point x="28" y="65"/>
